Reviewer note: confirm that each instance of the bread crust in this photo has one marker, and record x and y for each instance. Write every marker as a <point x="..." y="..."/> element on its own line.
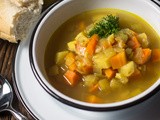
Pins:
<point x="16" y="18"/>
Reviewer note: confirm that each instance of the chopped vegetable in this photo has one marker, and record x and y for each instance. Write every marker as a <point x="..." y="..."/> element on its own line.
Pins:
<point x="106" y="26"/>
<point x="72" y="67"/>
<point x="82" y="39"/>
<point x="118" y="60"/>
<point x="109" y="52"/>
<point x="129" y="32"/>
<point x="121" y="36"/>
<point x="80" y="50"/>
<point x="155" y="55"/>
<point x="104" y="44"/>
<point x="81" y="43"/>
<point x="59" y="60"/>
<point x="141" y="56"/>
<point x="133" y="43"/>
<point x="100" y="61"/>
<point x="128" y="69"/>
<point x="94" y="88"/>
<point x="90" y="80"/>
<point x="72" y="46"/>
<point x="72" y="77"/>
<point x="115" y="83"/>
<point x="109" y="73"/>
<point x="142" y="38"/>
<point x="111" y="39"/>
<point x="87" y="69"/>
<point x="94" y="99"/>
<point x="104" y="84"/>
<point x="147" y="54"/>
<point x="123" y="79"/>
<point x="84" y="65"/>
<point x="90" y="50"/>
<point x="70" y="59"/>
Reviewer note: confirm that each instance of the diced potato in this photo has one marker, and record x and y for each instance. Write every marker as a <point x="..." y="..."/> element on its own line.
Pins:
<point x="70" y="58"/>
<point x="82" y="39"/>
<point x="115" y="83"/>
<point x="72" y="46"/>
<point x="103" y="43"/>
<point x="127" y="69"/>
<point x="109" y="53"/>
<point x="90" y="80"/>
<point x="142" y="38"/>
<point x="59" y="60"/>
<point x="100" y="61"/>
<point x="104" y="84"/>
<point x="110" y="39"/>
<point x="123" y="79"/>
<point x="84" y="65"/>
<point x="53" y="70"/>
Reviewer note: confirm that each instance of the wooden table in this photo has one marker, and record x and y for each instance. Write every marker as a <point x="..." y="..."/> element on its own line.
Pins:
<point x="7" y="54"/>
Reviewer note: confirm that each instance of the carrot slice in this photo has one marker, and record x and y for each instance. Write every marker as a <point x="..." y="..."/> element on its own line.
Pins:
<point x="94" y="88"/>
<point x="118" y="60"/>
<point x="72" y="67"/>
<point x="155" y="55"/>
<point x="146" y="54"/>
<point x="72" y="77"/>
<point x="109" y="73"/>
<point x="141" y="56"/>
<point x="87" y="69"/>
<point x="94" y="99"/>
<point x="91" y="46"/>
<point x="133" y="43"/>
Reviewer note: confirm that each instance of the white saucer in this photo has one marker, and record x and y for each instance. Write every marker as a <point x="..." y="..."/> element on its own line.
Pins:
<point x="44" y="107"/>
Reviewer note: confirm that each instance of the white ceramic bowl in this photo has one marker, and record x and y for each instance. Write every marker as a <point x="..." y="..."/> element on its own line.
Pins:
<point x="61" y="12"/>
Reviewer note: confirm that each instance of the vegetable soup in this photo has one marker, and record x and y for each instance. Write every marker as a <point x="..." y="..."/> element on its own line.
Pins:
<point x="103" y="56"/>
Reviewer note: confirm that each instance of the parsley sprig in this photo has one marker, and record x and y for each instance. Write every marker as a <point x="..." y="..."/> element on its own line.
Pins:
<point x="106" y="26"/>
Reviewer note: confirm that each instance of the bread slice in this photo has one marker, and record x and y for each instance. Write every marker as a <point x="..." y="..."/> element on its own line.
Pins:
<point x="17" y="17"/>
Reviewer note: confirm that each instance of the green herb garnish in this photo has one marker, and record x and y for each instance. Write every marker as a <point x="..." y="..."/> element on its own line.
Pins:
<point x="105" y="27"/>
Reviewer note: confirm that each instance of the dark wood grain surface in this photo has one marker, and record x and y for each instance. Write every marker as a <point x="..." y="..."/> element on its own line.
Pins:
<point x="7" y="54"/>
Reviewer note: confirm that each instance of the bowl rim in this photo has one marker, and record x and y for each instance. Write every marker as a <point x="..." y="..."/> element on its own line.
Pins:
<point x="71" y="103"/>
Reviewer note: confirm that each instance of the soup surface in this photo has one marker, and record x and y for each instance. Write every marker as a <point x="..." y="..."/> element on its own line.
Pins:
<point x="103" y="56"/>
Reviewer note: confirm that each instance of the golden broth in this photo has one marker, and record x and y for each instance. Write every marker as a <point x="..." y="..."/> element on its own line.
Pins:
<point x="70" y="29"/>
